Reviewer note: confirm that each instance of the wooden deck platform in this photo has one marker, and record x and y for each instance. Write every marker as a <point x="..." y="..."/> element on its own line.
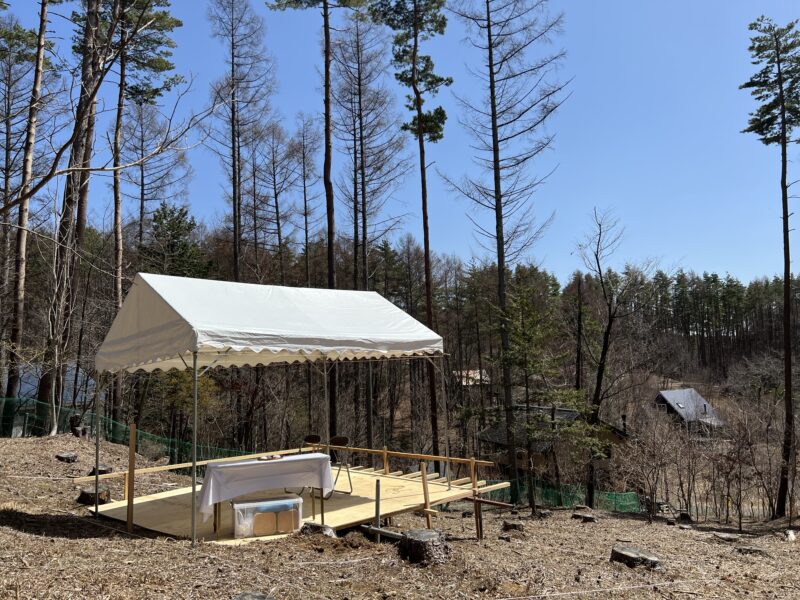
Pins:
<point x="170" y="512"/>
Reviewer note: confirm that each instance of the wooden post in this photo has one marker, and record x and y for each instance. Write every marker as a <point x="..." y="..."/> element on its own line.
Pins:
<point x="473" y="473"/>
<point x="385" y="461"/>
<point x="378" y="509"/>
<point x="423" y="468"/>
<point x="129" y="480"/>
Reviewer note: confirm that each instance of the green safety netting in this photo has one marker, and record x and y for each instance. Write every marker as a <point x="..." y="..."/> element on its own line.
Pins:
<point x="26" y="417"/>
<point x="547" y="494"/>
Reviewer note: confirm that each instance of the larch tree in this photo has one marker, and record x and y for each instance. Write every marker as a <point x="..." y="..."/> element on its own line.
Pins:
<point x="327" y="181"/>
<point x="243" y="95"/>
<point x="140" y="62"/>
<point x="370" y="133"/>
<point x="156" y="176"/>
<point x="305" y="146"/>
<point x="776" y="87"/>
<point x="414" y="22"/>
<point x="21" y="237"/>
<point x="17" y="67"/>
<point x="507" y="123"/>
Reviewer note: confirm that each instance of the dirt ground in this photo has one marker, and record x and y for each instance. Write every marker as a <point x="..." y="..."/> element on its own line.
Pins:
<point x="51" y="548"/>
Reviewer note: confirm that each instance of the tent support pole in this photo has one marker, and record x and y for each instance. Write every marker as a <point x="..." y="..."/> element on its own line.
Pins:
<point x="194" y="448"/>
<point x="327" y="406"/>
<point x="446" y="424"/>
<point x="97" y="394"/>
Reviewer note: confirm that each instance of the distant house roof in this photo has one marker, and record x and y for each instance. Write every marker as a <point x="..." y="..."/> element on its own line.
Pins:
<point x="541" y="415"/>
<point x="691" y="407"/>
<point x="472" y="377"/>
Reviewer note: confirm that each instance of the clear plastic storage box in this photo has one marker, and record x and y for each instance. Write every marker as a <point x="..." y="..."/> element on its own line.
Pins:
<point x="267" y="517"/>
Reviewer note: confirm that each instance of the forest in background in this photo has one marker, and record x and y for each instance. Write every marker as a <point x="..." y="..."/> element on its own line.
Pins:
<point x="308" y="205"/>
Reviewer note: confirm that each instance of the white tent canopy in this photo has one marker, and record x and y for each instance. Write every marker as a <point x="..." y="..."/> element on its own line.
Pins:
<point x="165" y="320"/>
<point x="176" y="323"/>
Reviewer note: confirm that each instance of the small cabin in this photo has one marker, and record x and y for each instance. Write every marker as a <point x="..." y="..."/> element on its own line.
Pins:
<point x="690" y="409"/>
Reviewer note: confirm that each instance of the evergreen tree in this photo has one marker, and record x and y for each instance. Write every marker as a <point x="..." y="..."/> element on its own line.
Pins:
<point x="776" y="87"/>
<point x="415" y="21"/>
<point x="171" y="246"/>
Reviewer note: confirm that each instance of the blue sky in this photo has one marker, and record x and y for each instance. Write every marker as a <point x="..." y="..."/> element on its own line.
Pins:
<point x="651" y="130"/>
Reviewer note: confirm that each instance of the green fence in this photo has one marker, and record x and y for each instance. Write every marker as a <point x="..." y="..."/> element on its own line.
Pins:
<point x="26" y="417"/>
<point x="547" y="494"/>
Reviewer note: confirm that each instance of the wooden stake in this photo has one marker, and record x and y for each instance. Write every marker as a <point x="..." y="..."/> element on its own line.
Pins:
<point x="385" y="461"/>
<point x="423" y="469"/>
<point x="129" y="488"/>
<point x="378" y="510"/>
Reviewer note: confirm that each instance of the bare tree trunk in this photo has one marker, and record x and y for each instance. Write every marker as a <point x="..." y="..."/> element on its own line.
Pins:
<point x="788" y="447"/>
<point x="21" y="254"/>
<point x="235" y="166"/>
<point x="434" y="412"/>
<point x="117" y="150"/>
<point x="505" y="344"/>
<point x="329" y="203"/>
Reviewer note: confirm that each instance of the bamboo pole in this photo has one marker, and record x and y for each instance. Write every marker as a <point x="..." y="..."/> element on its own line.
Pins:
<point x="129" y="480"/>
<point x="426" y="496"/>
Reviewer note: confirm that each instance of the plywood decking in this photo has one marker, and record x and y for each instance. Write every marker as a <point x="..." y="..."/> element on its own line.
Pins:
<point x="170" y="512"/>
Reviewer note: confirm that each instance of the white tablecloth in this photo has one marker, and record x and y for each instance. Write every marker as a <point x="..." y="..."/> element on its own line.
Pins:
<point x="227" y="480"/>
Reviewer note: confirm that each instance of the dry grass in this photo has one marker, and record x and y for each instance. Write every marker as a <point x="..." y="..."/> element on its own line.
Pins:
<point x="50" y="548"/>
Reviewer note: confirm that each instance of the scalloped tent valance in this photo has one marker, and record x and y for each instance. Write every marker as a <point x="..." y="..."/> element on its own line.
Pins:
<point x="165" y="320"/>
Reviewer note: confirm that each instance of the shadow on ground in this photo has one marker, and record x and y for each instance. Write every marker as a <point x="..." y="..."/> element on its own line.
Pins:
<point x="62" y="525"/>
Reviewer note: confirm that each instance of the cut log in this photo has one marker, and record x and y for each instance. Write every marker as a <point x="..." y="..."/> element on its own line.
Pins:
<point x="67" y="457"/>
<point x="424" y="546"/>
<point x="752" y="550"/>
<point x="543" y="513"/>
<point x="103" y="470"/>
<point x="513" y="526"/>
<point x="585" y="517"/>
<point x="87" y="496"/>
<point x="252" y="596"/>
<point x="634" y="557"/>
<point x="589" y="519"/>
<point x="317" y="529"/>
<point x="726" y="537"/>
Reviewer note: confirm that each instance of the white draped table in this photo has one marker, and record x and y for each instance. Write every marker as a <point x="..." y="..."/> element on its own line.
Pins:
<point x="227" y="480"/>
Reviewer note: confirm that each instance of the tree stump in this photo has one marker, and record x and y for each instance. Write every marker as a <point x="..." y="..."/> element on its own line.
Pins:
<point x="684" y="517"/>
<point x="75" y="425"/>
<point x="102" y="470"/>
<point x="87" y="496"/>
<point x="424" y="546"/>
<point x="634" y="557"/>
<point x="317" y="529"/>
<point x="513" y="526"/>
<point x="67" y="457"/>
